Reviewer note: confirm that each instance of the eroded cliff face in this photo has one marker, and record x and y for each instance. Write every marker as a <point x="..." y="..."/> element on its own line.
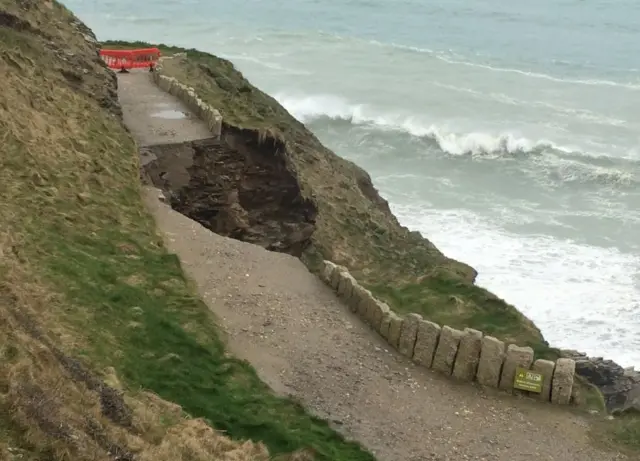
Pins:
<point x="238" y="186"/>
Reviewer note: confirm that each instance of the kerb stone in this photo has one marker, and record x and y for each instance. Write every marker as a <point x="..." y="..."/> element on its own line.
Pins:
<point x="326" y="271"/>
<point x="359" y="297"/>
<point x="468" y="357"/>
<point x="336" y="277"/>
<point x="426" y="343"/>
<point x="384" y="326"/>
<point x="376" y="311"/>
<point x="562" y="382"/>
<point x="345" y="286"/>
<point x="545" y="367"/>
<point x="491" y="361"/>
<point x="447" y="349"/>
<point x="408" y="334"/>
<point x="516" y="357"/>
<point x="395" y="326"/>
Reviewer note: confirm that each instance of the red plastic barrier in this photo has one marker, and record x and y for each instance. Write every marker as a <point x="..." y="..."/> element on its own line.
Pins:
<point x="131" y="59"/>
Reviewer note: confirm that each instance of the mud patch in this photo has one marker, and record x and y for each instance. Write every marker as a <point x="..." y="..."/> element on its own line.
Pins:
<point x="239" y="187"/>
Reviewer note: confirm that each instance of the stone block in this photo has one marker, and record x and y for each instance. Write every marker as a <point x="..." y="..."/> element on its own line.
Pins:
<point x="545" y="367"/>
<point x="447" y="349"/>
<point x="384" y="326"/>
<point x="516" y="357"/>
<point x="408" y="334"/>
<point x="326" y="271"/>
<point x="426" y="343"/>
<point x="215" y="126"/>
<point x="336" y="277"/>
<point x="345" y="286"/>
<point x="468" y="357"/>
<point x="395" y="327"/>
<point x="491" y="361"/>
<point x="562" y="382"/>
<point x="359" y="298"/>
<point x="376" y="311"/>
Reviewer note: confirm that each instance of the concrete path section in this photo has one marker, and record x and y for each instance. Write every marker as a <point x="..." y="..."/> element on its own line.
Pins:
<point x="154" y="116"/>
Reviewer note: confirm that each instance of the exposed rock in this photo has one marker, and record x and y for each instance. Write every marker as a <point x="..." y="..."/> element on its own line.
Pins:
<point x="619" y="386"/>
<point x="468" y="356"/>
<point x="491" y="360"/>
<point x="447" y="349"/>
<point x="426" y="343"/>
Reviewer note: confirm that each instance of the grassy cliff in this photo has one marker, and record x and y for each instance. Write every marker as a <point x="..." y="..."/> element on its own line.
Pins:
<point x="105" y="352"/>
<point x="354" y="225"/>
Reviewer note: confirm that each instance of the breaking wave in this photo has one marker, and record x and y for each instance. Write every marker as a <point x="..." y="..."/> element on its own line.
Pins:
<point x="564" y="164"/>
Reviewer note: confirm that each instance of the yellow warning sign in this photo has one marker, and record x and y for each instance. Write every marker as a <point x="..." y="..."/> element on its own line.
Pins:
<point x="527" y="380"/>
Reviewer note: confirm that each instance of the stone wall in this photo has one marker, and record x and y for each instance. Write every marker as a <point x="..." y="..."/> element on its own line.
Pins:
<point x="188" y="96"/>
<point x="462" y="355"/>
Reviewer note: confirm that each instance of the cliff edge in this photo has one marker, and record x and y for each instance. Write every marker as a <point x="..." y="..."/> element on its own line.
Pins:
<point x="284" y="190"/>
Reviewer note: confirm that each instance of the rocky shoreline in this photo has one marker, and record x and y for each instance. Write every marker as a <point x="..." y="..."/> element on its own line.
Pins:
<point x="620" y="387"/>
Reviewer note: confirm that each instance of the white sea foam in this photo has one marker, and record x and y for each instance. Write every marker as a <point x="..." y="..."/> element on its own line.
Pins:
<point x="581" y="296"/>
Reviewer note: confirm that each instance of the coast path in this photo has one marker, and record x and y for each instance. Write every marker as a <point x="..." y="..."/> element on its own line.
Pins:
<point x="305" y="343"/>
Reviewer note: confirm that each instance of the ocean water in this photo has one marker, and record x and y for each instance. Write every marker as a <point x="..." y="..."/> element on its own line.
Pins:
<point x="508" y="133"/>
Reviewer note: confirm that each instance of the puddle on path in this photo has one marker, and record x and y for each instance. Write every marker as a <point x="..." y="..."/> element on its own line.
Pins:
<point x="170" y="114"/>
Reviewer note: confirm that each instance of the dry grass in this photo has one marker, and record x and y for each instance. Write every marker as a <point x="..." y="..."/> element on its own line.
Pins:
<point x="91" y="305"/>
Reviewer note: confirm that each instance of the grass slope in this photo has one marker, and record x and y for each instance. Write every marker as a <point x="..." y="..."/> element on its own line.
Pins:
<point x="83" y="274"/>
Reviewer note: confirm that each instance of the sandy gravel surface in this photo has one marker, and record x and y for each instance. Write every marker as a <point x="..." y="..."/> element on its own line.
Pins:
<point x="304" y="342"/>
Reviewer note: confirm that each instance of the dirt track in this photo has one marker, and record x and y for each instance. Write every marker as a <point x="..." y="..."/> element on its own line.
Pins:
<point x="305" y="343"/>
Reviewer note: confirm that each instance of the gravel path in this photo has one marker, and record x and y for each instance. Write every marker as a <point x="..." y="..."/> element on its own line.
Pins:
<point x="154" y="116"/>
<point x="305" y="343"/>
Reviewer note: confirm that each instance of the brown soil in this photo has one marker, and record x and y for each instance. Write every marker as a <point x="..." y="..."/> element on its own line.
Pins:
<point x="256" y="199"/>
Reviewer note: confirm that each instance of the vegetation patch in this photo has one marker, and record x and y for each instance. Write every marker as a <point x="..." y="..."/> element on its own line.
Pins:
<point x="105" y="352"/>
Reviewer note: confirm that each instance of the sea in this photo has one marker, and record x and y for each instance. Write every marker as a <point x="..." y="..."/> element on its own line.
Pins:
<point x="508" y="133"/>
